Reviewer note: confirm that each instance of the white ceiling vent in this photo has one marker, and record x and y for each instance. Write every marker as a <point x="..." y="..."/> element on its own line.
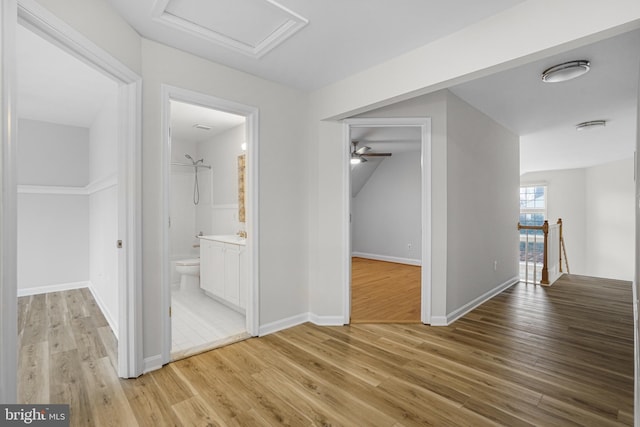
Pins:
<point x="252" y="27"/>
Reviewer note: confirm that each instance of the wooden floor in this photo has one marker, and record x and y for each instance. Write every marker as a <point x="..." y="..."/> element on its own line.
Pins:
<point x="557" y="356"/>
<point x="384" y="292"/>
<point x="67" y="354"/>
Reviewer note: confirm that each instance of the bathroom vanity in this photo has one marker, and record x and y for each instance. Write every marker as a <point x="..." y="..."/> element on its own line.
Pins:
<point x="223" y="269"/>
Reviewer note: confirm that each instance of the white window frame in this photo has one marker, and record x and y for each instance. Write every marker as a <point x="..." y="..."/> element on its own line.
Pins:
<point x="543" y="211"/>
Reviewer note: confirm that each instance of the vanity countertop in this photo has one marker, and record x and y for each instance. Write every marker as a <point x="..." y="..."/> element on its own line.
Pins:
<point x="226" y="238"/>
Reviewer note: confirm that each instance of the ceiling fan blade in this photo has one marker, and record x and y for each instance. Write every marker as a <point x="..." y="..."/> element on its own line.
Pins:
<point x="362" y="150"/>
<point x="377" y="154"/>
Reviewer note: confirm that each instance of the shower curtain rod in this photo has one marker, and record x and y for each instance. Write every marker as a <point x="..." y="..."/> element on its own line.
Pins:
<point x="191" y="165"/>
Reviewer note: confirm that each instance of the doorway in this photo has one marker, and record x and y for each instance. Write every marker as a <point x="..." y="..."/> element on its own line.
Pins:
<point x="126" y="138"/>
<point x="383" y="249"/>
<point x="209" y="280"/>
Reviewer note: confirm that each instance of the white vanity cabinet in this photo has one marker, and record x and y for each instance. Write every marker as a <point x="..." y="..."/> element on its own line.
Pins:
<point x="222" y="261"/>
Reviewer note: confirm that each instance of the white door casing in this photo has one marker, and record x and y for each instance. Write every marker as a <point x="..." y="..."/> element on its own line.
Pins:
<point x="251" y="115"/>
<point x="8" y="210"/>
<point x="425" y="128"/>
<point x="33" y="16"/>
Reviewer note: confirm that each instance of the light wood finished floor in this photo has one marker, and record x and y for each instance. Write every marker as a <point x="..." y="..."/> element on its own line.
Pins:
<point x="384" y="292"/>
<point x="68" y="355"/>
<point x="557" y="356"/>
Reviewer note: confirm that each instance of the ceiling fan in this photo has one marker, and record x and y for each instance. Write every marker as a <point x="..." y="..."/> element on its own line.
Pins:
<point x="358" y="154"/>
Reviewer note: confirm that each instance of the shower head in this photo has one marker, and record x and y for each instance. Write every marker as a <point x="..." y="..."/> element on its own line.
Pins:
<point x="190" y="158"/>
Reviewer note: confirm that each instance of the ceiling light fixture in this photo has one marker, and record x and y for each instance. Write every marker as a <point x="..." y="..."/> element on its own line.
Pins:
<point x="567" y="71"/>
<point x="202" y="127"/>
<point x="591" y="125"/>
<point x="357" y="160"/>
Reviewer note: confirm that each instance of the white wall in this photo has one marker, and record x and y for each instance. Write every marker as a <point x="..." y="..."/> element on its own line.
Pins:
<point x="282" y="177"/>
<point x="103" y="209"/>
<point x="52" y="154"/>
<point x="386" y="211"/>
<point x="218" y="211"/>
<point x="566" y="199"/>
<point x="474" y="173"/>
<point x="482" y="207"/>
<point x="433" y="106"/>
<point x="53" y="229"/>
<point x="596" y="207"/>
<point x="181" y="208"/>
<point x="53" y="241"/>
<point x="610" y="222"/>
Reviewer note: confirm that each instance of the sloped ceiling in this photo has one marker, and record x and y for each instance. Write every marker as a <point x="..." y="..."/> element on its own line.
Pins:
<point x="53" y="86"/>
<point x="340" y="39"/>
<point x="381" y="139"/>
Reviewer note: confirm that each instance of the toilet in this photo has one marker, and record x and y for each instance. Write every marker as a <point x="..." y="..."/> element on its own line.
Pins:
<point x="189" y="270"/>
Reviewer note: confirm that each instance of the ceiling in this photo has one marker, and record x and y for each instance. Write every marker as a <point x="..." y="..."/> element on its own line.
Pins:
<point x="544" y="115"/>
<point x="185" y="116"/>
<point x="340" y="38"/>
<point x="393" y="139"/>
<point x="54" y="86"/>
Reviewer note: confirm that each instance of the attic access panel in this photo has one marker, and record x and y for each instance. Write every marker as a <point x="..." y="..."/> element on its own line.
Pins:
<point x="252" y="27"/>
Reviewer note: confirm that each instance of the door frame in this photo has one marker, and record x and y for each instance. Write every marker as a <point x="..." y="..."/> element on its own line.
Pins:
<point x="8" y="211"/>
<point x="38" y="19"/>
<point x="425" y="161"/>
<point x="251" y="114"/>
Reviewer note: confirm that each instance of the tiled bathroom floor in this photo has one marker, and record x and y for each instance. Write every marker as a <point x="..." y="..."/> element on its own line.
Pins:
<point x="199" y="323"/>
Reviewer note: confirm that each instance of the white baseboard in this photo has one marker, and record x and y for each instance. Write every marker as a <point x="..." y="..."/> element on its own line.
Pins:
<point x="152" y="363"/>
<point x="326" y="320"/>
<point x="52" y="288"/>
<point x="299" y="319"/>
<point x="107" y="315"/>
<point x="456" y="314"/>
<point x="439" y="321"/>
<point x="279" y="325"/>
<point x="387" y="258"/>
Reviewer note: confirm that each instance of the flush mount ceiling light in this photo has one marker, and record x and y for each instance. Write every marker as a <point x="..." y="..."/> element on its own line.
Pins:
<point x="202" y="127"/>
<point x="566" y="71"/>
<point x="591" y="125"/>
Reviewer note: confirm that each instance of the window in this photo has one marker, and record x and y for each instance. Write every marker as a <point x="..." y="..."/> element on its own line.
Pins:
<point x="533" y="204"/>
<point x="533" y="211"/>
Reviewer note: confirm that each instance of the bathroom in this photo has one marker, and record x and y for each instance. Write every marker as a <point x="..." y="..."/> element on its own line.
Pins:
<point x="207" y="232"/>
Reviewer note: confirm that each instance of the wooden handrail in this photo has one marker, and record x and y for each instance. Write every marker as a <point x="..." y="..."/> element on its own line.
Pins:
<point x="545" y="230"/>
<point x="561" y="248"/>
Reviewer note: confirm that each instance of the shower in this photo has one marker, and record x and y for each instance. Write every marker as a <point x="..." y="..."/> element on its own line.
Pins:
<point x="195" y="164"/>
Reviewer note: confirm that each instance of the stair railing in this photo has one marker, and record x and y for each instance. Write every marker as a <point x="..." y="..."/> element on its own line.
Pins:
<point x="547" y="259"/>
